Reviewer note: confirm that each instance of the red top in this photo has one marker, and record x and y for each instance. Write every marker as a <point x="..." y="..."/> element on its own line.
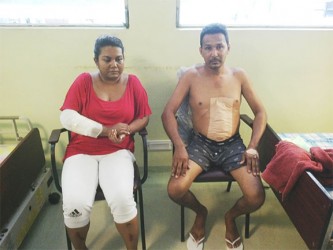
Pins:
<point x="82" y="98"/>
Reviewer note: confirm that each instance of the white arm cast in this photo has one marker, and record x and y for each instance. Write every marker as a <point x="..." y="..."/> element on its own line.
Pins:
<point x="79" y="124"/>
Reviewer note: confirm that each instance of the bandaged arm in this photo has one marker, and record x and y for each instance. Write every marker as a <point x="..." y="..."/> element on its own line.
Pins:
<point x="73" y="121"/>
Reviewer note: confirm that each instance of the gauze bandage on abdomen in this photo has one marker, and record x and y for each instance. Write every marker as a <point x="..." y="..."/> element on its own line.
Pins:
<point x="224" y="117"/>
<point x="80" y="124"/>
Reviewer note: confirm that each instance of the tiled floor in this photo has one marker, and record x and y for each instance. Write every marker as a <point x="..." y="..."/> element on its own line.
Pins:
<point x="270" y="228"/>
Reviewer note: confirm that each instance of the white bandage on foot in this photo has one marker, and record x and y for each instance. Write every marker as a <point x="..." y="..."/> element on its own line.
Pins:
<point x="80" y="124"/>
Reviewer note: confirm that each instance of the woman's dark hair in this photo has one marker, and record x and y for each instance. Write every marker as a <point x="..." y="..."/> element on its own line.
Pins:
<point x="214" y="28"/>
<point x="107" y="40"/>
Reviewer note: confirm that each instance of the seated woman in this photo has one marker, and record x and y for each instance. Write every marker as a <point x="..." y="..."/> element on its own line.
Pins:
<point x="102" y="110"/>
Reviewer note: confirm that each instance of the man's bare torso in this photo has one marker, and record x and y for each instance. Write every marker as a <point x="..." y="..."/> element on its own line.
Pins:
<point x="215" y="102"/>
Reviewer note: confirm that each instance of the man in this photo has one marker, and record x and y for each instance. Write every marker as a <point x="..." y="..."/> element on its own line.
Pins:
<point x="215" y="92"/>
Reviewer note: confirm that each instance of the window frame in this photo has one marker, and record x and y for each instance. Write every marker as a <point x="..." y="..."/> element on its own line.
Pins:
<point x="242" y="26"/>
<point x="73" y="25"/>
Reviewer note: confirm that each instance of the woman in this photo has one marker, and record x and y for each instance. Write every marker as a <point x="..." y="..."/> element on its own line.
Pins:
<point x="102" y="110"/>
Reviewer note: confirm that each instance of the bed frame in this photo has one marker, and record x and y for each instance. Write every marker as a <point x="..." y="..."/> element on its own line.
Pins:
<point x="309" y="205"/>
<point x="24" y="187"/>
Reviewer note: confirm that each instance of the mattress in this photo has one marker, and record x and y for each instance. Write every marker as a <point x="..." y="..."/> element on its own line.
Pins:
<point x="5" y="150"/>
<point x="308" y="140"/>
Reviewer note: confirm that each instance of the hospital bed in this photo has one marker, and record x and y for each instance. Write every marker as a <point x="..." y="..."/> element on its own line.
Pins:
<point x="309" y="205"/>
<point x="25" y="183"/>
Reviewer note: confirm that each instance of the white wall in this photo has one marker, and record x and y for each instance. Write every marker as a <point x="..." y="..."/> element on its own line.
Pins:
<point x="292" y="70"/>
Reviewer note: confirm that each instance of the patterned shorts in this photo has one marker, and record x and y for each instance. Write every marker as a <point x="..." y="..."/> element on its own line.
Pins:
<point x="208" y="153"/>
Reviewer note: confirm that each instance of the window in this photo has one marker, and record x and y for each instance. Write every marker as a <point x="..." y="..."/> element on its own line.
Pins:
<point x="64" y="13"/>
<point x="256" y="13"/>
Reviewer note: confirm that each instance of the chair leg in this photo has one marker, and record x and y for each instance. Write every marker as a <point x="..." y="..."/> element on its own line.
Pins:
<point x="69" y="243"/>
<point x="182" y="223"/>
<point x="142" y="220"/>
<point x="247" y="226"/>
<point x="229" y="186"/>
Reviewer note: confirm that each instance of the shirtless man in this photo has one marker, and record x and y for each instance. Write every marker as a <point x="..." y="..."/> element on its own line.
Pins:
<point x="215" y="92"/>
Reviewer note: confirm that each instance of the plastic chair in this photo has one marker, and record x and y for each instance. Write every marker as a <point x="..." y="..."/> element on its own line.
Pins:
<point x="138" y="181"/>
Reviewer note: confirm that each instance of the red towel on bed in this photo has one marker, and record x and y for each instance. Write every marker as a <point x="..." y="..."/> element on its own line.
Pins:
<point x="325" y="157"/>
<point x="288" y="163"/>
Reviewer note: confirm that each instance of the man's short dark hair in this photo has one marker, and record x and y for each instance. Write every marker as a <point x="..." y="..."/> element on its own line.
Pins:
<point x="214" y="28"/>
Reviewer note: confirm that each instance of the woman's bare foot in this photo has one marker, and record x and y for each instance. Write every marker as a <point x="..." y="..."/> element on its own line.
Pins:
<point x="231" y="232"/>
<point x="198" y="228"/>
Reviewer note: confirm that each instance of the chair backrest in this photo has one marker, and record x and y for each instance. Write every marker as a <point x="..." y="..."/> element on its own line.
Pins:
<point x="184" y="114"/>
<point x="184" y="121"/>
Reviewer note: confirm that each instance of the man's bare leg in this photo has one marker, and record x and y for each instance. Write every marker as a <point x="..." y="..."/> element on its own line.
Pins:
<point x="130" y="233"/>
<point x="78" y="236"/>
<point x="190" y="201"/>
<point x="253" y="197"/>
<point x="178" y="190"/>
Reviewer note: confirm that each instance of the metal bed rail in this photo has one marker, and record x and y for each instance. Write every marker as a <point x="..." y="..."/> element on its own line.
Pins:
<point x="15" y="120"/>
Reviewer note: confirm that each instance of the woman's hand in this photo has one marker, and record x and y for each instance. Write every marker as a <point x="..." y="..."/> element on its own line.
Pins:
<point x="118" y="132"/>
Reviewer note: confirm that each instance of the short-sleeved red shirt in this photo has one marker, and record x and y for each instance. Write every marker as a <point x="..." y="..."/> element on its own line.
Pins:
<point x="82" y="98"/>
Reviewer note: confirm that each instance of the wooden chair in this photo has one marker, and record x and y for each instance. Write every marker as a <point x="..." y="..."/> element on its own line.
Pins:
<point x="138" y="181"/>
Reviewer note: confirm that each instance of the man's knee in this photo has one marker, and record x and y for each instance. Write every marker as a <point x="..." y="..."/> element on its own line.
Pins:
<point x="175" y="191"/>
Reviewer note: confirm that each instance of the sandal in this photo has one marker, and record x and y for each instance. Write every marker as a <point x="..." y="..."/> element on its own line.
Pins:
<point x="240" y="247"/>
<point x="192" y="244"/>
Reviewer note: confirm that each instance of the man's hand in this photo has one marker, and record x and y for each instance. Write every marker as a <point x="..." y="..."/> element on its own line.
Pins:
<point x="251" y="158"/>
<point x="179" y="162"/>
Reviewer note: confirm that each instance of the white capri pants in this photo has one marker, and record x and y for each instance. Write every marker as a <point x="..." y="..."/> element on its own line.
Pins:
<point x="80" y="177"/>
